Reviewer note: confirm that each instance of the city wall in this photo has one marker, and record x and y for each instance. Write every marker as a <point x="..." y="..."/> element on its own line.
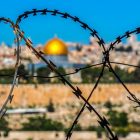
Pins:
<point x="32" y="95"/>
<point x="86" y="135"/>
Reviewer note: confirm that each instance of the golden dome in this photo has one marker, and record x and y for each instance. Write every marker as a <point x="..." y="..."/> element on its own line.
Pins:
<point x="55" y="46"/>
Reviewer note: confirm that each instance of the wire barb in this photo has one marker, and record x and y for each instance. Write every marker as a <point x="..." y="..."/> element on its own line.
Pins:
<point x="19" y="36"/>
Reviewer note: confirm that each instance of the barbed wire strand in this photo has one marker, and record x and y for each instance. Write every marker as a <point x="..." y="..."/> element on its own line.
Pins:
<point x="56" y="76"/>
<point x="3" y="109"/>
<point x="76" y="91"/>
<point x="69" y="134"/>
<point x="64" y="15"/>
<point x="127" y="34"/>
<point x="67" y="74"/>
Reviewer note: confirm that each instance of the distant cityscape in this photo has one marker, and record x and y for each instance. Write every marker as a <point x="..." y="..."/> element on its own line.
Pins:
<point x="77" y="53"/>
<point x="54" y="104"/>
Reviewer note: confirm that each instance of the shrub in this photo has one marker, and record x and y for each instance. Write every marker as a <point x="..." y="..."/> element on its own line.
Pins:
<point x="50" y="107"/>
<point x="42" y="124"/>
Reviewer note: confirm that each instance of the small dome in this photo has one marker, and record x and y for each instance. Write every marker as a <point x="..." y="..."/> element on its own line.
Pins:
<point x="55" y="46"/>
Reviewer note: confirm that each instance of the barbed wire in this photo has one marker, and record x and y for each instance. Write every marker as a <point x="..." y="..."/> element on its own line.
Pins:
<point x="106" y="63"/>
<point x="76" y="91"/>
<point x="3" y="108"/>
<point x="118" y="40"/>
<point x="64" y="15"/>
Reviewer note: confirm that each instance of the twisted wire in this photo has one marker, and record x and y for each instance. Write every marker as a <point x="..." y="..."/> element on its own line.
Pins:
<point x="19" y="34"/>
<point x="118" y="40"/>
<point x="10" y="96"/>
<point x="78" y="93"/>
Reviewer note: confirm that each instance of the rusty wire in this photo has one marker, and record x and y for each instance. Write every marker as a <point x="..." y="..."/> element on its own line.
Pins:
<point x="106" y="63"/>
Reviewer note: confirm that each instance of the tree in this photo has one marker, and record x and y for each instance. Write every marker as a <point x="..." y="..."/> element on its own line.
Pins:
<point x="117" y="119"/>
<point x="23" y="72"/>
<point x="78" y="127"/>
<point x="7" y="79"/>
<point x="4" y="126"/>
<point x="42" y="124"/>
<point x="90" y="75"/>
<point x="61" y="70"/>
<point x="108" y="104"/>
<point x="43" y="71"/>
<point x="137" y="74"/>
<point x="50" y="107"/>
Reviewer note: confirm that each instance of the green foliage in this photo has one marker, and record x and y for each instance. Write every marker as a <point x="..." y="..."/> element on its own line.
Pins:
<point x="108" y="105"/>
<point x="50" y="107"/>
<point x="124" y="49"/>
<point x="119" y="122"/>
<point x="134" y="127"/>
<point x="61" y="70"/>
<point x="4" y="126"/>
<point x="42" y="124"/>
<point x="90" y="75"/>
<point x="98" y="129"/>
<point x="30" y="139"/>
<point x="108" y="77"/>
<point x="22" y="71"/>
<point x="136" y="75"/>
<point x="43" y="71"/>
<point x="6" y="79"/>
<point x="124" y="75"/>
<point x="78" y="127"/>
<point x="122" y="131"/>
<point x="91" y="128"/>
<point x="117" y="119"/>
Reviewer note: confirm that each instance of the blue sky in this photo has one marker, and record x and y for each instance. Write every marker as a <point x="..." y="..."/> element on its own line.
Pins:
<point x="109" y="17"/>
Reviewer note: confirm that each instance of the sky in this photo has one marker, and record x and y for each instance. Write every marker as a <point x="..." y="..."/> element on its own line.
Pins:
<point x="109" y="18"/>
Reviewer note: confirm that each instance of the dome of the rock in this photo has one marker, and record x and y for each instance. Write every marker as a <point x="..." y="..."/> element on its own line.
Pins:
<point x="55" y="46"/>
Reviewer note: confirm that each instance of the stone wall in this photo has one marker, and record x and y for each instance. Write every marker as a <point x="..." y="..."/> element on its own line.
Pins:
<point x="35" y="135"/>
<point x="83" y="135"/>
<point x="30" y="95"/>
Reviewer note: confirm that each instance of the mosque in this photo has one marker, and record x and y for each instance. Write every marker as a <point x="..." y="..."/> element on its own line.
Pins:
<point x="57" y="51"/>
